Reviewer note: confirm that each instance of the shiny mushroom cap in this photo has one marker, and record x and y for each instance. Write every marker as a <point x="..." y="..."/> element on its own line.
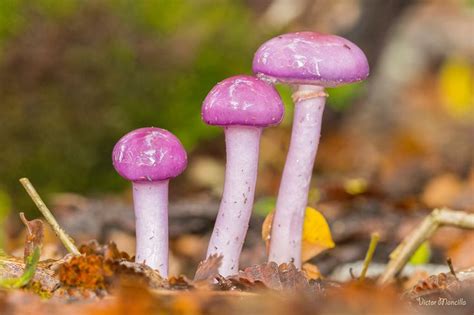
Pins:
<point x="242" y="100"/>
<point x="312" y="59"/>
<point x="149" y="154"/>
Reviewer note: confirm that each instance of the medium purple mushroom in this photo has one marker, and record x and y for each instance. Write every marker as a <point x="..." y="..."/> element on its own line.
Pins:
<point x="243" y="105"/>
<point x="149" y="157"/>
<point x="309" y="62"/>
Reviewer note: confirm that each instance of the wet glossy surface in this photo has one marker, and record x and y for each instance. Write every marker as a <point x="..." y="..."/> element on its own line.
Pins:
<point x="149" y="154"/>
<point x="242" y="100"/>
<point x="310" y="58"/>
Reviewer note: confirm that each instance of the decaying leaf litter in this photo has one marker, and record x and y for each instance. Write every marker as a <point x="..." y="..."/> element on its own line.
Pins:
<point x="101" y="277"/>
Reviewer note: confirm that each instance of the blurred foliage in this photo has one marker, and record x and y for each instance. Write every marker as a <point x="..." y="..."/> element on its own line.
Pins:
<point x="5" y="207"/>
<point x="264" y="206"/>
<point x="341" y="97"/>
<point x="77" y="75"/>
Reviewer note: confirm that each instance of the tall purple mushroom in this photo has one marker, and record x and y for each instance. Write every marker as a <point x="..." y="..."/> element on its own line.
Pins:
<point x="149" y="157"/>
<point x="309" y="62"/>
<point x="243" y="105"/>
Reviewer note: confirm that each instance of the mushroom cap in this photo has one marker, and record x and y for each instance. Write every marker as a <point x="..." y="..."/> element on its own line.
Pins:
<point x="310" y="58"/>
<point x="149" y="154"/>
<point x="243" y="100"/>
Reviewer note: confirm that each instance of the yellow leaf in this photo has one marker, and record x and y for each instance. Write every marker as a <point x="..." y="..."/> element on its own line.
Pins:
<point x="456" y="85"/>
<point x="316" y="233"/>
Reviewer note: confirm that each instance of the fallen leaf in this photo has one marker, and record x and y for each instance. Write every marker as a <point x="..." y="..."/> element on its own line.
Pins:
<point x="316" y="233"/>
<point x="436" y="286"/>
<point x="33" y="242"/>
<point x="208" y="269"/>
<point x="34" y="235"/>
<point x="272" y="276"/>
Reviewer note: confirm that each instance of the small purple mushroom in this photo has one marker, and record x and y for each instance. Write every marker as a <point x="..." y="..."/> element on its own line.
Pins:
<point x="243" y="105"/>
<point x="309" y="62"/>
<point x="149" y="157"/>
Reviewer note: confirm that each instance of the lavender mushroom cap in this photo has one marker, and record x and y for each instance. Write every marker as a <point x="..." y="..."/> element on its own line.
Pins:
<point x="243" y="100"/>
<point x="149" y="154"/>
<point x="311" y="58"/>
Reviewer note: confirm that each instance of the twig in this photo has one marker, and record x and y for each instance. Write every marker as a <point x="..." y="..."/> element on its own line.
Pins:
<point x="351" y="273"/>
<point x="437" y="218"/>
<point x="451" y="268"/>
<point x="374" y="239"/>
<point x="63" y="236"/>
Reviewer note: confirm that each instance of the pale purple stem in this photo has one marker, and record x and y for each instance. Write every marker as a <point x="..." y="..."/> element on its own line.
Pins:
<point x="150" y="200"/>
<point x="287" y="227"/>
<point x="242" y="146"/>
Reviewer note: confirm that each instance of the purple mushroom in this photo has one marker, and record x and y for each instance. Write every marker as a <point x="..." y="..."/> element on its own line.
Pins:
<point x="149" y="157"/>
<point x="243" y="105"/>
<point x="309" y="62"/>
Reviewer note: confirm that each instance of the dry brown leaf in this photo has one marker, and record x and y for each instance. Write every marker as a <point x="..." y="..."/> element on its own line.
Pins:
<point x="434" y="284"/>
<point x="208" y="269"/>
<point x="34" y="235"/>
<point x="272" y="276"/>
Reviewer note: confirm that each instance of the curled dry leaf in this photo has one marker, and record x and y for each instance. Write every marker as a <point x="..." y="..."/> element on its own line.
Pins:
<point x="208" y="270"/>
<point x="272" y="276"/>
<point x="34" y="235"/>
<point x="316" y="233"/>
<point x="446" y="290"/>
<point x="17" y="274"/>
<point x="434" y="285"/>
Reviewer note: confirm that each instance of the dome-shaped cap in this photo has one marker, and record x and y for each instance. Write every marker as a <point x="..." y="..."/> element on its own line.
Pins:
<point x="242" y="100"/>
<point x="149" y="154"/>
<point x="311" y="58"/>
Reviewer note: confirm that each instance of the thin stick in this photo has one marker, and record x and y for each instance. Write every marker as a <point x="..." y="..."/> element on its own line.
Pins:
<point x="63" y="236"/>
<point x="451" y="268"/>
<point x="437" y="218"/>
<point x="374" y="239"/>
